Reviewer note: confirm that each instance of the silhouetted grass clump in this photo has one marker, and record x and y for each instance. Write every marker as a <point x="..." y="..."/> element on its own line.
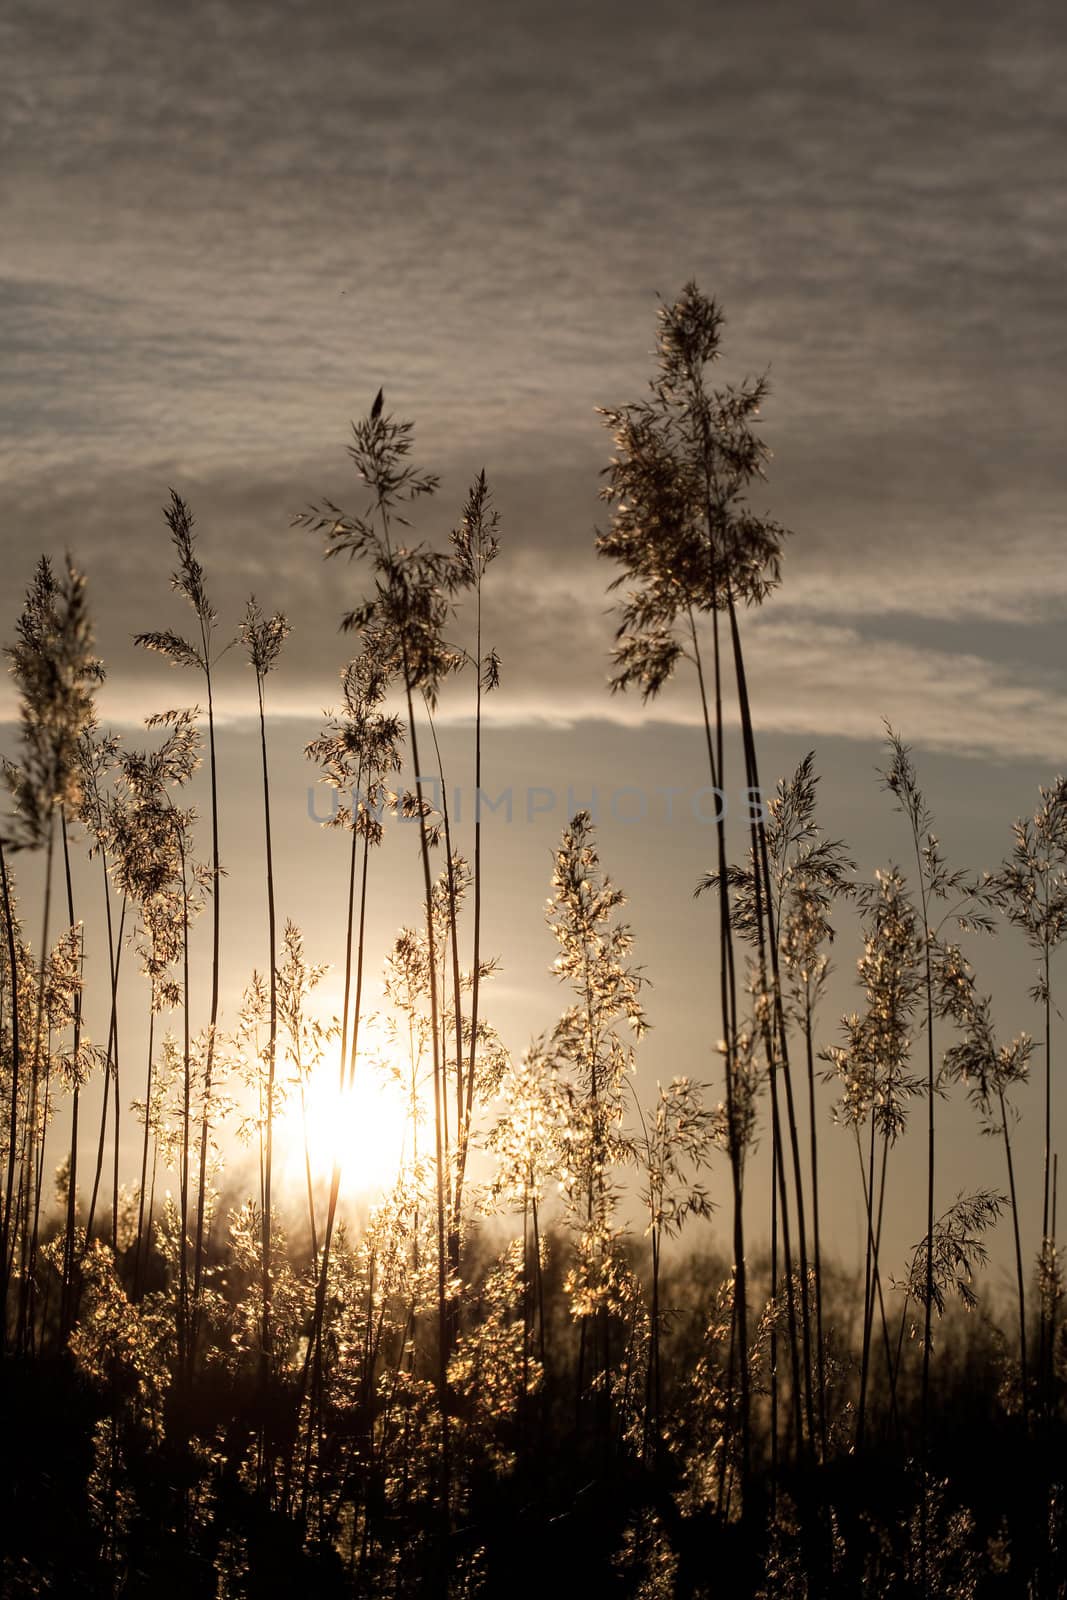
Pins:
<point x="496" y="1383"/>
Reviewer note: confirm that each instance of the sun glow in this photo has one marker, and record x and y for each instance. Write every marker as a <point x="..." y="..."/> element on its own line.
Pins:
<point x="365" y="1128"/>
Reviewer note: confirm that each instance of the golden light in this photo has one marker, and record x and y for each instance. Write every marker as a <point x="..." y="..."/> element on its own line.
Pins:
<point x="366" y="1128"/>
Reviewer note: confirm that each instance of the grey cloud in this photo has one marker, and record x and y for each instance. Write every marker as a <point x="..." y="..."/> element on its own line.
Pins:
<point x="228" y="224"/>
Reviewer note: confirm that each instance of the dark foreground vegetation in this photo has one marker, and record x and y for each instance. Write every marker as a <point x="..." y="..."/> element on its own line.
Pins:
<point x="498" y="1384"/>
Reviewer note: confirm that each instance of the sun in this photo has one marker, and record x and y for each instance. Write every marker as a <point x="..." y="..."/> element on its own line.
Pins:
<point x="365" y="1128"/>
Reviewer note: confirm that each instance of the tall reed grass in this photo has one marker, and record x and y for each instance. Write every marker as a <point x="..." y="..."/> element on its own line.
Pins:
<point x="547" y="1355"/>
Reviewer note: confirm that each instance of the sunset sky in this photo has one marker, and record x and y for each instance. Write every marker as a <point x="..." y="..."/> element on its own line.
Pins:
<point x="226" y="225"/>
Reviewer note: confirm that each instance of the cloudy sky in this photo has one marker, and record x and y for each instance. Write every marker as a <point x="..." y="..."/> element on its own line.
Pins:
<point x="225" y="225"/>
